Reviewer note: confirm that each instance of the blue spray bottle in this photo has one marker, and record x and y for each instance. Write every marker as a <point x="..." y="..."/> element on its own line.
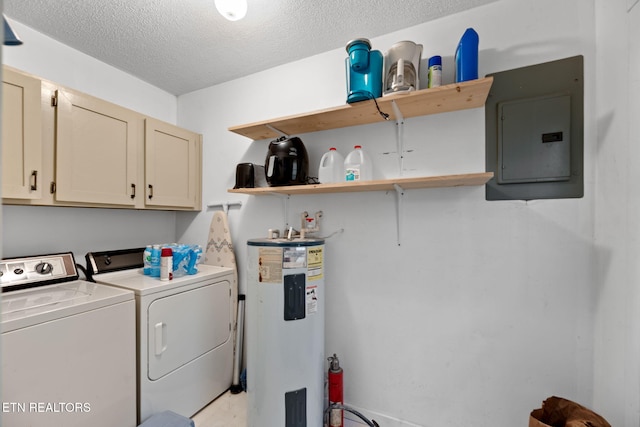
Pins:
<point x="467" y="56"/>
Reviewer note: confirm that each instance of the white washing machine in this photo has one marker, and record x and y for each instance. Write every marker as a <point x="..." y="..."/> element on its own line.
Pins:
<point x="68" y="347"/>
<point x="184" y="333"/>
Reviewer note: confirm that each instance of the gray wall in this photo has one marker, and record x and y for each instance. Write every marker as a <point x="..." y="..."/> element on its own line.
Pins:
<point x="617" y="206"/>
<point x="486" y="308"/>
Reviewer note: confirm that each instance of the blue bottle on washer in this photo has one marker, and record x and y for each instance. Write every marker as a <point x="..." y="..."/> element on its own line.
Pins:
<point x="154" y="270"/>
<point x="467" y="56"/>
<point x="364" y="71"/>
<point x="146" y="259"/>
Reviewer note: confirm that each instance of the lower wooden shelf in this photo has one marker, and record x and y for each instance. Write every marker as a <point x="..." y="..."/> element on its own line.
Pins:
<point x="471" y="179"/>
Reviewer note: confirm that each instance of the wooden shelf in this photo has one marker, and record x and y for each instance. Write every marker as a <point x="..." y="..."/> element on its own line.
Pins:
<point x="472" y="179"/>
<point x="442" y="99"/>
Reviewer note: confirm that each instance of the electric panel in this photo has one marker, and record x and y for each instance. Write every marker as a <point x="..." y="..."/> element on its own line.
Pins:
<point x="534" y="132"/>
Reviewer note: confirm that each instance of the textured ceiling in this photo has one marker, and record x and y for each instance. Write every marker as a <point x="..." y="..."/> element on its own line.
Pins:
<point x="185" y="45"/>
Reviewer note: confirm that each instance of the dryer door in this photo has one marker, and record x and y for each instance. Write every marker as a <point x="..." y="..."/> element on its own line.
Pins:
<point x="187" y="325"/>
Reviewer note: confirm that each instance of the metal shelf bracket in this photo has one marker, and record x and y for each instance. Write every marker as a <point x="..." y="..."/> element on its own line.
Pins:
<point x="399" y="135"/>
<point x="399" y="211"/>
<point x="276" y="130"/>
<point x="400" y="150"/>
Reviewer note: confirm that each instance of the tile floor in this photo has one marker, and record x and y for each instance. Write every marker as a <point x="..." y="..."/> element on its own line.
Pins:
<point x="228" y="410"/>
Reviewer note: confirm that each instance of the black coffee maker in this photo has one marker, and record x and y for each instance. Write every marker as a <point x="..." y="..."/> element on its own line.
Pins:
<point x="287" y="162"/>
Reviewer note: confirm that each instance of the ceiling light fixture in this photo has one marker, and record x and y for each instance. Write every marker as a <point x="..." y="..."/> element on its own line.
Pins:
<point x="233" y="10"/>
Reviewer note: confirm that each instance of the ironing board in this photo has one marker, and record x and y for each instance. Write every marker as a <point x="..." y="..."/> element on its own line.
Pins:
<point x="219" y="246"/>
<point x="220" y="253"/>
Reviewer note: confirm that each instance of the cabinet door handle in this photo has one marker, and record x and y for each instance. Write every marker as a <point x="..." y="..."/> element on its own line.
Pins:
<point x="34" y="177"/>
<point x="133" y="191"/>
<point x="150" y="191"/>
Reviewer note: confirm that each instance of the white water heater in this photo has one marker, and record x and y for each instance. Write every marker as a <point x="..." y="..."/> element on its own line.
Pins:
<point x="285" y="333"/>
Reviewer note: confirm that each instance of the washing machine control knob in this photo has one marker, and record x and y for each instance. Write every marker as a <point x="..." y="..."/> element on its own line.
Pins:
<point x="44" y="267"/>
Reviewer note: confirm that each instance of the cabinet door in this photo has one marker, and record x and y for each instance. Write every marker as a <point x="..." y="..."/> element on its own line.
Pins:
<point x="96" y="157"/>
<point x="172" y="166"/>
<point x="21" y="136"/>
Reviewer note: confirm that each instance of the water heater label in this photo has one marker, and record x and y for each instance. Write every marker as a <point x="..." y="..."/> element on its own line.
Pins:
<point x="270" y="265"/>
<point x="295" y="257"/>
<point x="315" y="261"/>
<point x="312" y="299"/>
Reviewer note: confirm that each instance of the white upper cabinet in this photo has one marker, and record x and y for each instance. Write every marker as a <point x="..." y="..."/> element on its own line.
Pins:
<point x="21" y="136"/>
<point x="96" y="151"/>
<point x="85" y="151"/>
<point x="172" y="166"/>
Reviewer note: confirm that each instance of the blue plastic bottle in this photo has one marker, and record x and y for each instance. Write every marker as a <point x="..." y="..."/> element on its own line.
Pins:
<point x="146" y="258"/>
<point x="467" y="56"/>
<point x="435" y="71"/>
<point x="155" y="261"/>
<point x="364" y="71"/>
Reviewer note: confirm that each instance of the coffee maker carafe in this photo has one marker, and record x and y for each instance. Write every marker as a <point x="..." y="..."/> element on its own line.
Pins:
<point x="402" y="68"/>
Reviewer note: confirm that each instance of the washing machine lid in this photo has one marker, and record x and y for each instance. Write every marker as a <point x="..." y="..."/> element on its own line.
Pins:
<point x="36" y="305"/>
<point x="42" y="288"/>
<point x="142" y="284"/>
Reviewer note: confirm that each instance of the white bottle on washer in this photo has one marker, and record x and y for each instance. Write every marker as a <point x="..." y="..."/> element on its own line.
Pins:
<point x="166" y="264"/>
<point x="357" y="165"/>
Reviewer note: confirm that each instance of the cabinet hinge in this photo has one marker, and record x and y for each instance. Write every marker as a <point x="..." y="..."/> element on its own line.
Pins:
<point x="52" y="187"/>
<point x="54" y="99"/>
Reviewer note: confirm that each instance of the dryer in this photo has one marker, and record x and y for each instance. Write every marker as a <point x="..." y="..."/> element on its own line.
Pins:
<point x="68" y="347"/>
<point x="183" y="328"/>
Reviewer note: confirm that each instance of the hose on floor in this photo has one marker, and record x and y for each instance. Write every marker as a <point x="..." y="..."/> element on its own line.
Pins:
<point x="370" y="423"/>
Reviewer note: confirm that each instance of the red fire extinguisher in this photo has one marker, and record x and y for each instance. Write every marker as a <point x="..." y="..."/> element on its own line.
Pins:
<point x="336" y="416"/>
